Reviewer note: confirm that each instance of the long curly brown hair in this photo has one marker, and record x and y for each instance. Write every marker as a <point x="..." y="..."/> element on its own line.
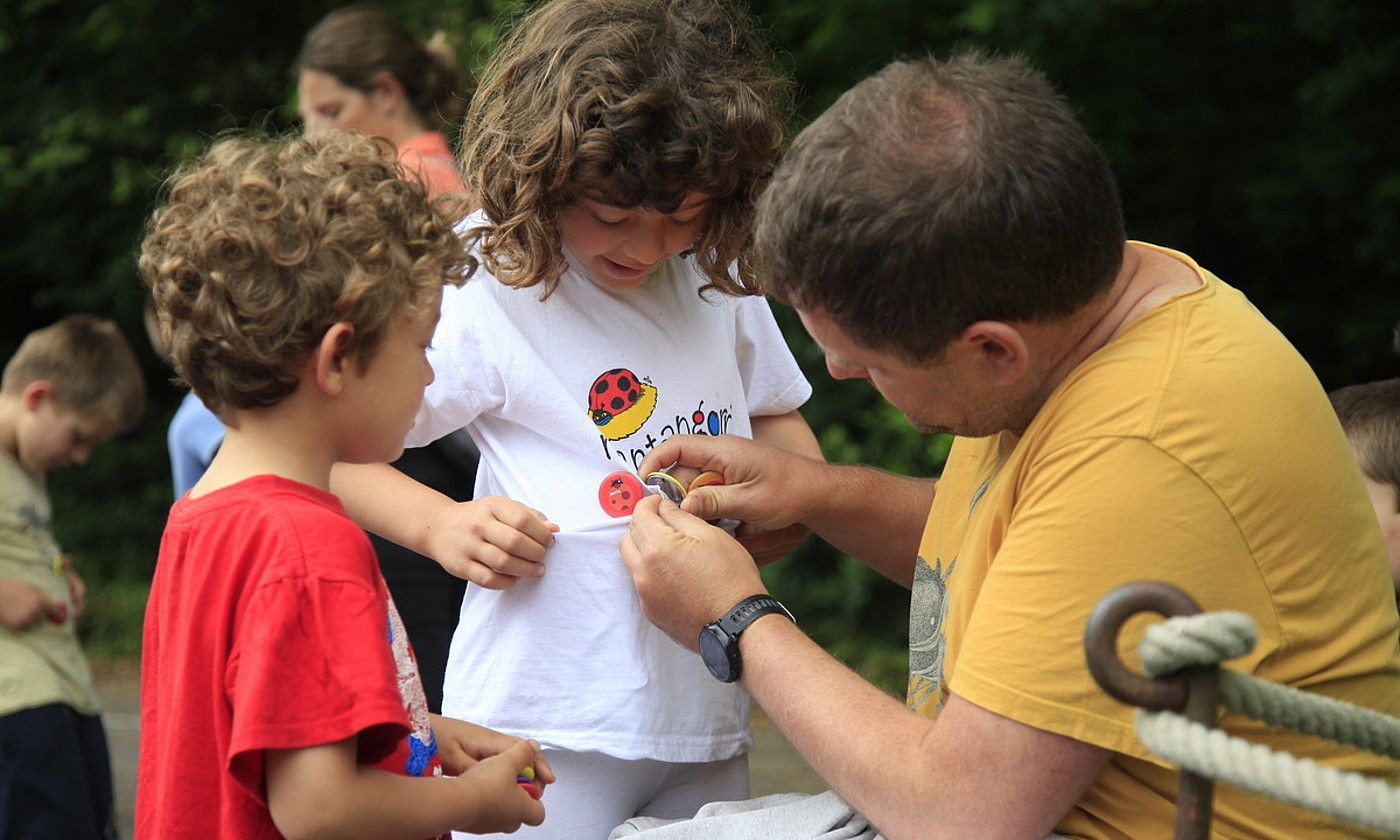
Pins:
<point x="262" y="245"/>
<point x="631" y="102"/>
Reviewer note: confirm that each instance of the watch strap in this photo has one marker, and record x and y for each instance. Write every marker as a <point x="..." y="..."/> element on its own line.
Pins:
<point x="748" y="611"/>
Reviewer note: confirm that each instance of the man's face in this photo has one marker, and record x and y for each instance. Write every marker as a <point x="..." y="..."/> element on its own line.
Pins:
<point x="943" y="396"/>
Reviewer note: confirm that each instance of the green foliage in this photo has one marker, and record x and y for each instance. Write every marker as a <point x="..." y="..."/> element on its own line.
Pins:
<point x="1253" y="135"/>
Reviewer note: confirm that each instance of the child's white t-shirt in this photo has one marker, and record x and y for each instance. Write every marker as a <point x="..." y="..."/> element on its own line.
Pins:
<point x="564" y="397"/>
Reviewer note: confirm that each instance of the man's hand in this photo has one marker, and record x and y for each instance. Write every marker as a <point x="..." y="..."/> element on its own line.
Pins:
<point x="687" y="572"/>
<point x="769" y="488"/>
<point x="492" y="542"/>
<point x="22" y="605"/>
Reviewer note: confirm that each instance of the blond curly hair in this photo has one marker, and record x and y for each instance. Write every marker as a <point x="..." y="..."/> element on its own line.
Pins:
<point x="261" y="245"/>
<point x="633" y="103"/>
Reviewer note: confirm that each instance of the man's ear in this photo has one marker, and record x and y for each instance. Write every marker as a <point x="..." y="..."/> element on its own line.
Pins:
<point x="332" y="362"/>
<point x="1000" y="348"/>
<point x="35" y="394"/>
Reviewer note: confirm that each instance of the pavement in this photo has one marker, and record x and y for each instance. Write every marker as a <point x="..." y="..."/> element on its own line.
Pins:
<point x="774" y="766"/>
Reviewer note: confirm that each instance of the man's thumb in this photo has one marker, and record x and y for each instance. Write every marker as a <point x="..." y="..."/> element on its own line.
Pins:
<point x="706" y="502"/>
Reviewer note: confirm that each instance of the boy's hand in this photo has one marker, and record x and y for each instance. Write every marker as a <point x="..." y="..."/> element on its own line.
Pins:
<point x="461" y="745"/>
<point x="22" y="605"/>
<point x="77" y="590"/>
<point x="492" y="542"/>
<point x="505" y="805"/>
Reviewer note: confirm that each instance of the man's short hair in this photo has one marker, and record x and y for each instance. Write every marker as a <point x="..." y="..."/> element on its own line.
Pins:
<point x="939" y="193"/>
<point x="262" y="245"/>
<point x="89" y="365"/>
<point x="1370" y="415"/>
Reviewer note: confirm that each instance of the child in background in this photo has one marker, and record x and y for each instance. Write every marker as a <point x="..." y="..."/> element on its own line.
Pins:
<point x="297" y="285"/>
<point x="1370" y="415"/>
<point x="194" y="433"/>
<point x="67" y="388"/>
<point x="616" y="147"/>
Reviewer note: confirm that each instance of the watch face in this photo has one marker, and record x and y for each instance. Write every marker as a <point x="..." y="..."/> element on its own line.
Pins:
<point x="712" y="651"/>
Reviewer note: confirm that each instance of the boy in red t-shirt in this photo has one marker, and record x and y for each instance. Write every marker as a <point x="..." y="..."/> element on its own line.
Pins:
<point x="297" y="285"/>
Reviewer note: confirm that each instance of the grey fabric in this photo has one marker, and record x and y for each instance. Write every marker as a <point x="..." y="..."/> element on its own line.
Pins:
<point x="781" y="816"/>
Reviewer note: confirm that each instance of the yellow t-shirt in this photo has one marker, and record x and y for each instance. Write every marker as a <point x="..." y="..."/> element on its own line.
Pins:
<point x="1196" y="448"/>
<point x="45" y="663"/>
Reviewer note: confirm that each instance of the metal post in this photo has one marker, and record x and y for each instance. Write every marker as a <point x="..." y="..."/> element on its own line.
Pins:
<point x="1192" y="691"/>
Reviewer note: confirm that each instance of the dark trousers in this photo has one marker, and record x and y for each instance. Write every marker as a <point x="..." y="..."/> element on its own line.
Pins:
<point x="55" y="776"/>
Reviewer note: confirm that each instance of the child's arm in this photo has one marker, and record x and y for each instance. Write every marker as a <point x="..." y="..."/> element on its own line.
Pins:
<point x="461" y="745"/>
<point x="491" y="541"/>
<point x="321" y="791"/>
<point x="785" y="431"/>
<point x="22" y="605"/>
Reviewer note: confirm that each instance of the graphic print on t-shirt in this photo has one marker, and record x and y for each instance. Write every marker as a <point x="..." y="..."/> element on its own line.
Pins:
<point x="928" y="604"/>
<point x="620" y="403"/>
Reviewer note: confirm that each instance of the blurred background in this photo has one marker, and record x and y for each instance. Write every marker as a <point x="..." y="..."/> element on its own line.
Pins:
<point x="1256" y="135"/>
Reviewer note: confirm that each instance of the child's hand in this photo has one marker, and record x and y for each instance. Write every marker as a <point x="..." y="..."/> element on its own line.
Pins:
<point x="767" y="546"/>
<point x="505" y="805"/>
<point x="491" y="541"/>
<point x="22" y="605"/>
<point x="77" y="590"/>
<point x="461" y="745"/>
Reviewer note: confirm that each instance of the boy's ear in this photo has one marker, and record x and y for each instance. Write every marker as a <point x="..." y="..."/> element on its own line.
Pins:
<point x="332" y="362"/>
<point x="35" y="393"/>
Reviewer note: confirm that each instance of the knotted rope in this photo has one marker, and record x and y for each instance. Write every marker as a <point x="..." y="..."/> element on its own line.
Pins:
<point x="1211" y="638"/>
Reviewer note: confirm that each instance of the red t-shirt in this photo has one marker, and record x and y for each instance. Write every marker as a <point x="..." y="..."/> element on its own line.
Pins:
<point x="268" y="627"/>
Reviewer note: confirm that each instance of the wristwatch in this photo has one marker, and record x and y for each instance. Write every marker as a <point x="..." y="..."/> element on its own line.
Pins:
<point x="719" y="640"/>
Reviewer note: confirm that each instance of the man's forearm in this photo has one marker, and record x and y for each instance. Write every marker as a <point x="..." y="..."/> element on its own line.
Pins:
<point x="875" y="516"/>
<point x="969" y="775"/>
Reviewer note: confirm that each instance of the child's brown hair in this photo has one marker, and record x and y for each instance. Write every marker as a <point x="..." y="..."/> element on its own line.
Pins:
<point x="263" y="245"/>
<point x="89" y="365"/>
<point x="1370" y="415"/>
<point x="633" y="103"/>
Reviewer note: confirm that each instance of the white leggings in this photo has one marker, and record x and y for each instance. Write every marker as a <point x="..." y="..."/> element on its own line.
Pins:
<point x="596" y="793"/>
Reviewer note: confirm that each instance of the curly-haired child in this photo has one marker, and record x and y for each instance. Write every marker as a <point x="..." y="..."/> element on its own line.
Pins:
<point x="297" y="285"/>
<point x="616" y="148"/>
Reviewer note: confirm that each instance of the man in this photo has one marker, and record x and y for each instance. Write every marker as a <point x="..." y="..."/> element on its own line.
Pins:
<point x="948" y="231"/>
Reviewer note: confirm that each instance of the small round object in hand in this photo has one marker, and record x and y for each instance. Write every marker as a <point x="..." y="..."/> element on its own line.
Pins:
<point x="667" y="485"/>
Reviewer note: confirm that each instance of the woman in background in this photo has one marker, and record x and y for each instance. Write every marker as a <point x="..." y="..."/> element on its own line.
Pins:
<point x="361" y="70"/>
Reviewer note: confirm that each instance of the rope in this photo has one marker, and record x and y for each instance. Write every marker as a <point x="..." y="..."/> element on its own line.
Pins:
<point x="1209" y="638"/>
<point x="1254" y="767"/>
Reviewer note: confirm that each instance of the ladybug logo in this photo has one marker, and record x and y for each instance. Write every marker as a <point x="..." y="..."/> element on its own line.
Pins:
<point x="619" y="493"/>
<point x="619" y="403"/>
